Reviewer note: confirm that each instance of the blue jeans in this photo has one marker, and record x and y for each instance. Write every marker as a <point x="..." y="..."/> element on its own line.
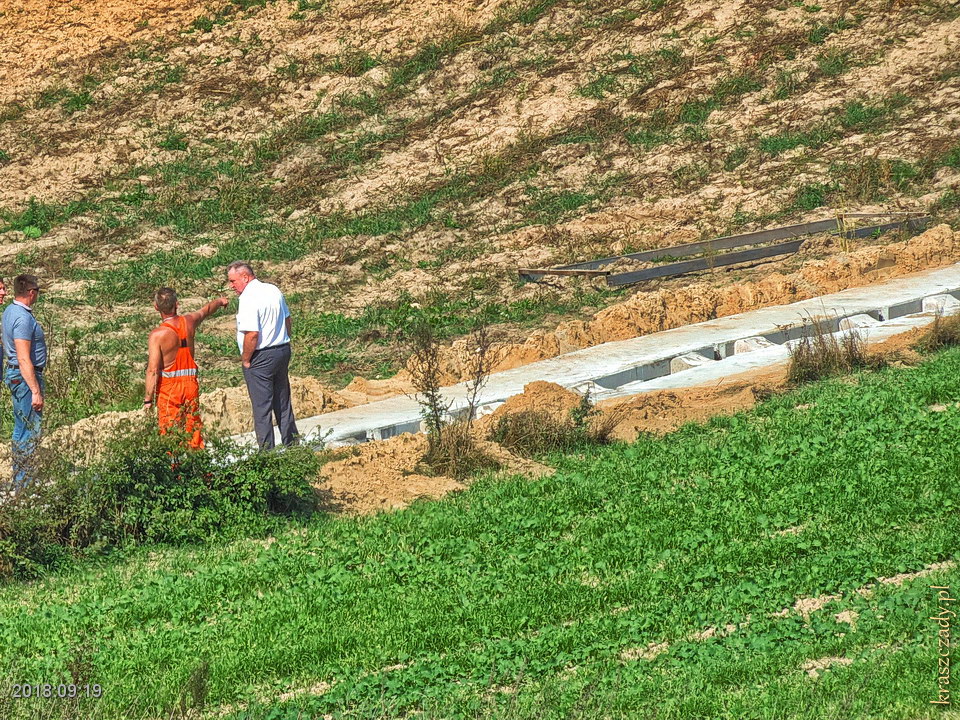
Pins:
<point x="26" y="426"/>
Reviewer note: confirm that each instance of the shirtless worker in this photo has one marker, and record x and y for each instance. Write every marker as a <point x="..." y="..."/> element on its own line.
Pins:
<point x="171" y="369"/>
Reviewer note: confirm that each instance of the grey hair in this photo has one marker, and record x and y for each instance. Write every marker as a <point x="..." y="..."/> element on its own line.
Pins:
<point x="241" y="265"/>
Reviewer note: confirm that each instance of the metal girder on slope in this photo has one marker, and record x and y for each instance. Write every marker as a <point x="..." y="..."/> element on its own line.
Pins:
<point x="722" y="243"/>
<point x="741" y="256"/>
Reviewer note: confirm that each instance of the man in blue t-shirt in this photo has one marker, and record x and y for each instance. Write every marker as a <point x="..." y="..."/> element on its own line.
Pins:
<point x="25" y="352"/>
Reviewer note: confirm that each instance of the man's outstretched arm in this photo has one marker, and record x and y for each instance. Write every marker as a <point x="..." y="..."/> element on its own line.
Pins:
<point x="207" y="310"/>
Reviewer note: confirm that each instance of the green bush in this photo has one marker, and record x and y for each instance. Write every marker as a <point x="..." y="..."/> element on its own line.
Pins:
<point x="149" y="489"/>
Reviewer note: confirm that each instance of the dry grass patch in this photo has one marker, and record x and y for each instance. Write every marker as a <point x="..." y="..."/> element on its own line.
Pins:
<point x="943" y="332"/>
<point x="820" y="354"/>
<point x="532" y="433"/>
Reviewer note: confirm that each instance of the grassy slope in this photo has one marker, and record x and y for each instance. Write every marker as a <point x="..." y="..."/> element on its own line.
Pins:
<point x="678" y="99"/>
<point x="526" y="598"/>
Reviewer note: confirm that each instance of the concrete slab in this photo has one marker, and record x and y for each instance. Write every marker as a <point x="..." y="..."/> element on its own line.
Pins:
<point x="687" y="361"/>
<point x="945" y="304"/>
<point x="765" y="357"/>
<point x="750" y="344"/>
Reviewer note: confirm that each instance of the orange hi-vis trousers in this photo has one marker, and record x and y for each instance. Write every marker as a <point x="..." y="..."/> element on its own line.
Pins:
<point x="178" y="394"/>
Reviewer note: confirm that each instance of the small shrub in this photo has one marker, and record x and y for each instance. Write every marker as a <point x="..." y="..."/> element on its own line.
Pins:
<point x="601" y="86"/>
<point x="873" y="178"/>
<point x="833" y="62"/>
<point x="166" y="75"/>
<point x="861" y="116"/>
<point x="814" y="137"/>
<point x="811" y="196"/>
<point x="451" y="446"/>
<point x="203" y="23"/>
<point x="454" y="451"/>
<point x="77" y="101"/>
<point x="51" y="96"/>
<point x="42" y="215"/>
<point x="352" y="62"/>
<point x="948" y="201"/>
<point x="655" y="130"/>
<point x="363" y="102"/>
<point x="426" y="375"/>
<point x="736" y="158"/>
<point x="950" y="159"/>
<point x="787" y="83"/>
<point x="689" y="176"/>
<point x="820" y="354"/>
<point x="534" y="432"/>
<point x="550" y="206"/>
<point x="822" y="31"/>
<point x="291" y="71"/>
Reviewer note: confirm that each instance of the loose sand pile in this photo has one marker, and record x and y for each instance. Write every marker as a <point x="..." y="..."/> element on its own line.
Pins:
<point x="227" y="410"/>
<point x="384" y="475"/>
<point x="539" y="396"/>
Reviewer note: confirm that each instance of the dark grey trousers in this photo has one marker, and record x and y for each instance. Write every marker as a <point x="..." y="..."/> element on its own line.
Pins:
<point x="269" y="386"/>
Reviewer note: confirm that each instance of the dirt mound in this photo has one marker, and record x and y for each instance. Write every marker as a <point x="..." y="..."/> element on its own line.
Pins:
<point x="383" y="475"/>
<point x="226" y="410"/>
<point x="539" y="396"/>
<point x="650" y="312"/>
<point x="380" y="476"/>
<point x="360" y="390"/>
<point x="85" y="439"/>
<point x="666" y="410"/>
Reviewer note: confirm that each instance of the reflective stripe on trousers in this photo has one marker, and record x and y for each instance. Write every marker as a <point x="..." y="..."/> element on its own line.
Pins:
<point x="188" y="372"/>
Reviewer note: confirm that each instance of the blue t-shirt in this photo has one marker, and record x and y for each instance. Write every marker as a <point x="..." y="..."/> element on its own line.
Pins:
<point x="20" y="324"/>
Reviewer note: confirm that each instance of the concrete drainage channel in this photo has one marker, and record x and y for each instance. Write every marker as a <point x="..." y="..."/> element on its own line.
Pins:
<point x="676" y="358"/>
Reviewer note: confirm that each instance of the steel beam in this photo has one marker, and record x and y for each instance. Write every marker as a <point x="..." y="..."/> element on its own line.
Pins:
<point x="722" y="243"/>
<point x="741" y="256"/>
<point x="706" y="263"/>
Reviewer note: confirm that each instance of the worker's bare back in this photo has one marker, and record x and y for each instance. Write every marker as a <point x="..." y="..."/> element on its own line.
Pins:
<point x="166" y="338"/>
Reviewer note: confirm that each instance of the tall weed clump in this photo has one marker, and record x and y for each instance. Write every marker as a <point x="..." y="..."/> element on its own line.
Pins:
<point x="148" y="489"/>
<point x="943" y="332"/>
<point x="820" y="353"/>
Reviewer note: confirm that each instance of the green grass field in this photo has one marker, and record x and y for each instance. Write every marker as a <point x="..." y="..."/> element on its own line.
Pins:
<point x="586" y="594"/>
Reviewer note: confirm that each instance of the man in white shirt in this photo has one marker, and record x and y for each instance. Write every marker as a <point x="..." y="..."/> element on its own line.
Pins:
<point x="263" y="336"/>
